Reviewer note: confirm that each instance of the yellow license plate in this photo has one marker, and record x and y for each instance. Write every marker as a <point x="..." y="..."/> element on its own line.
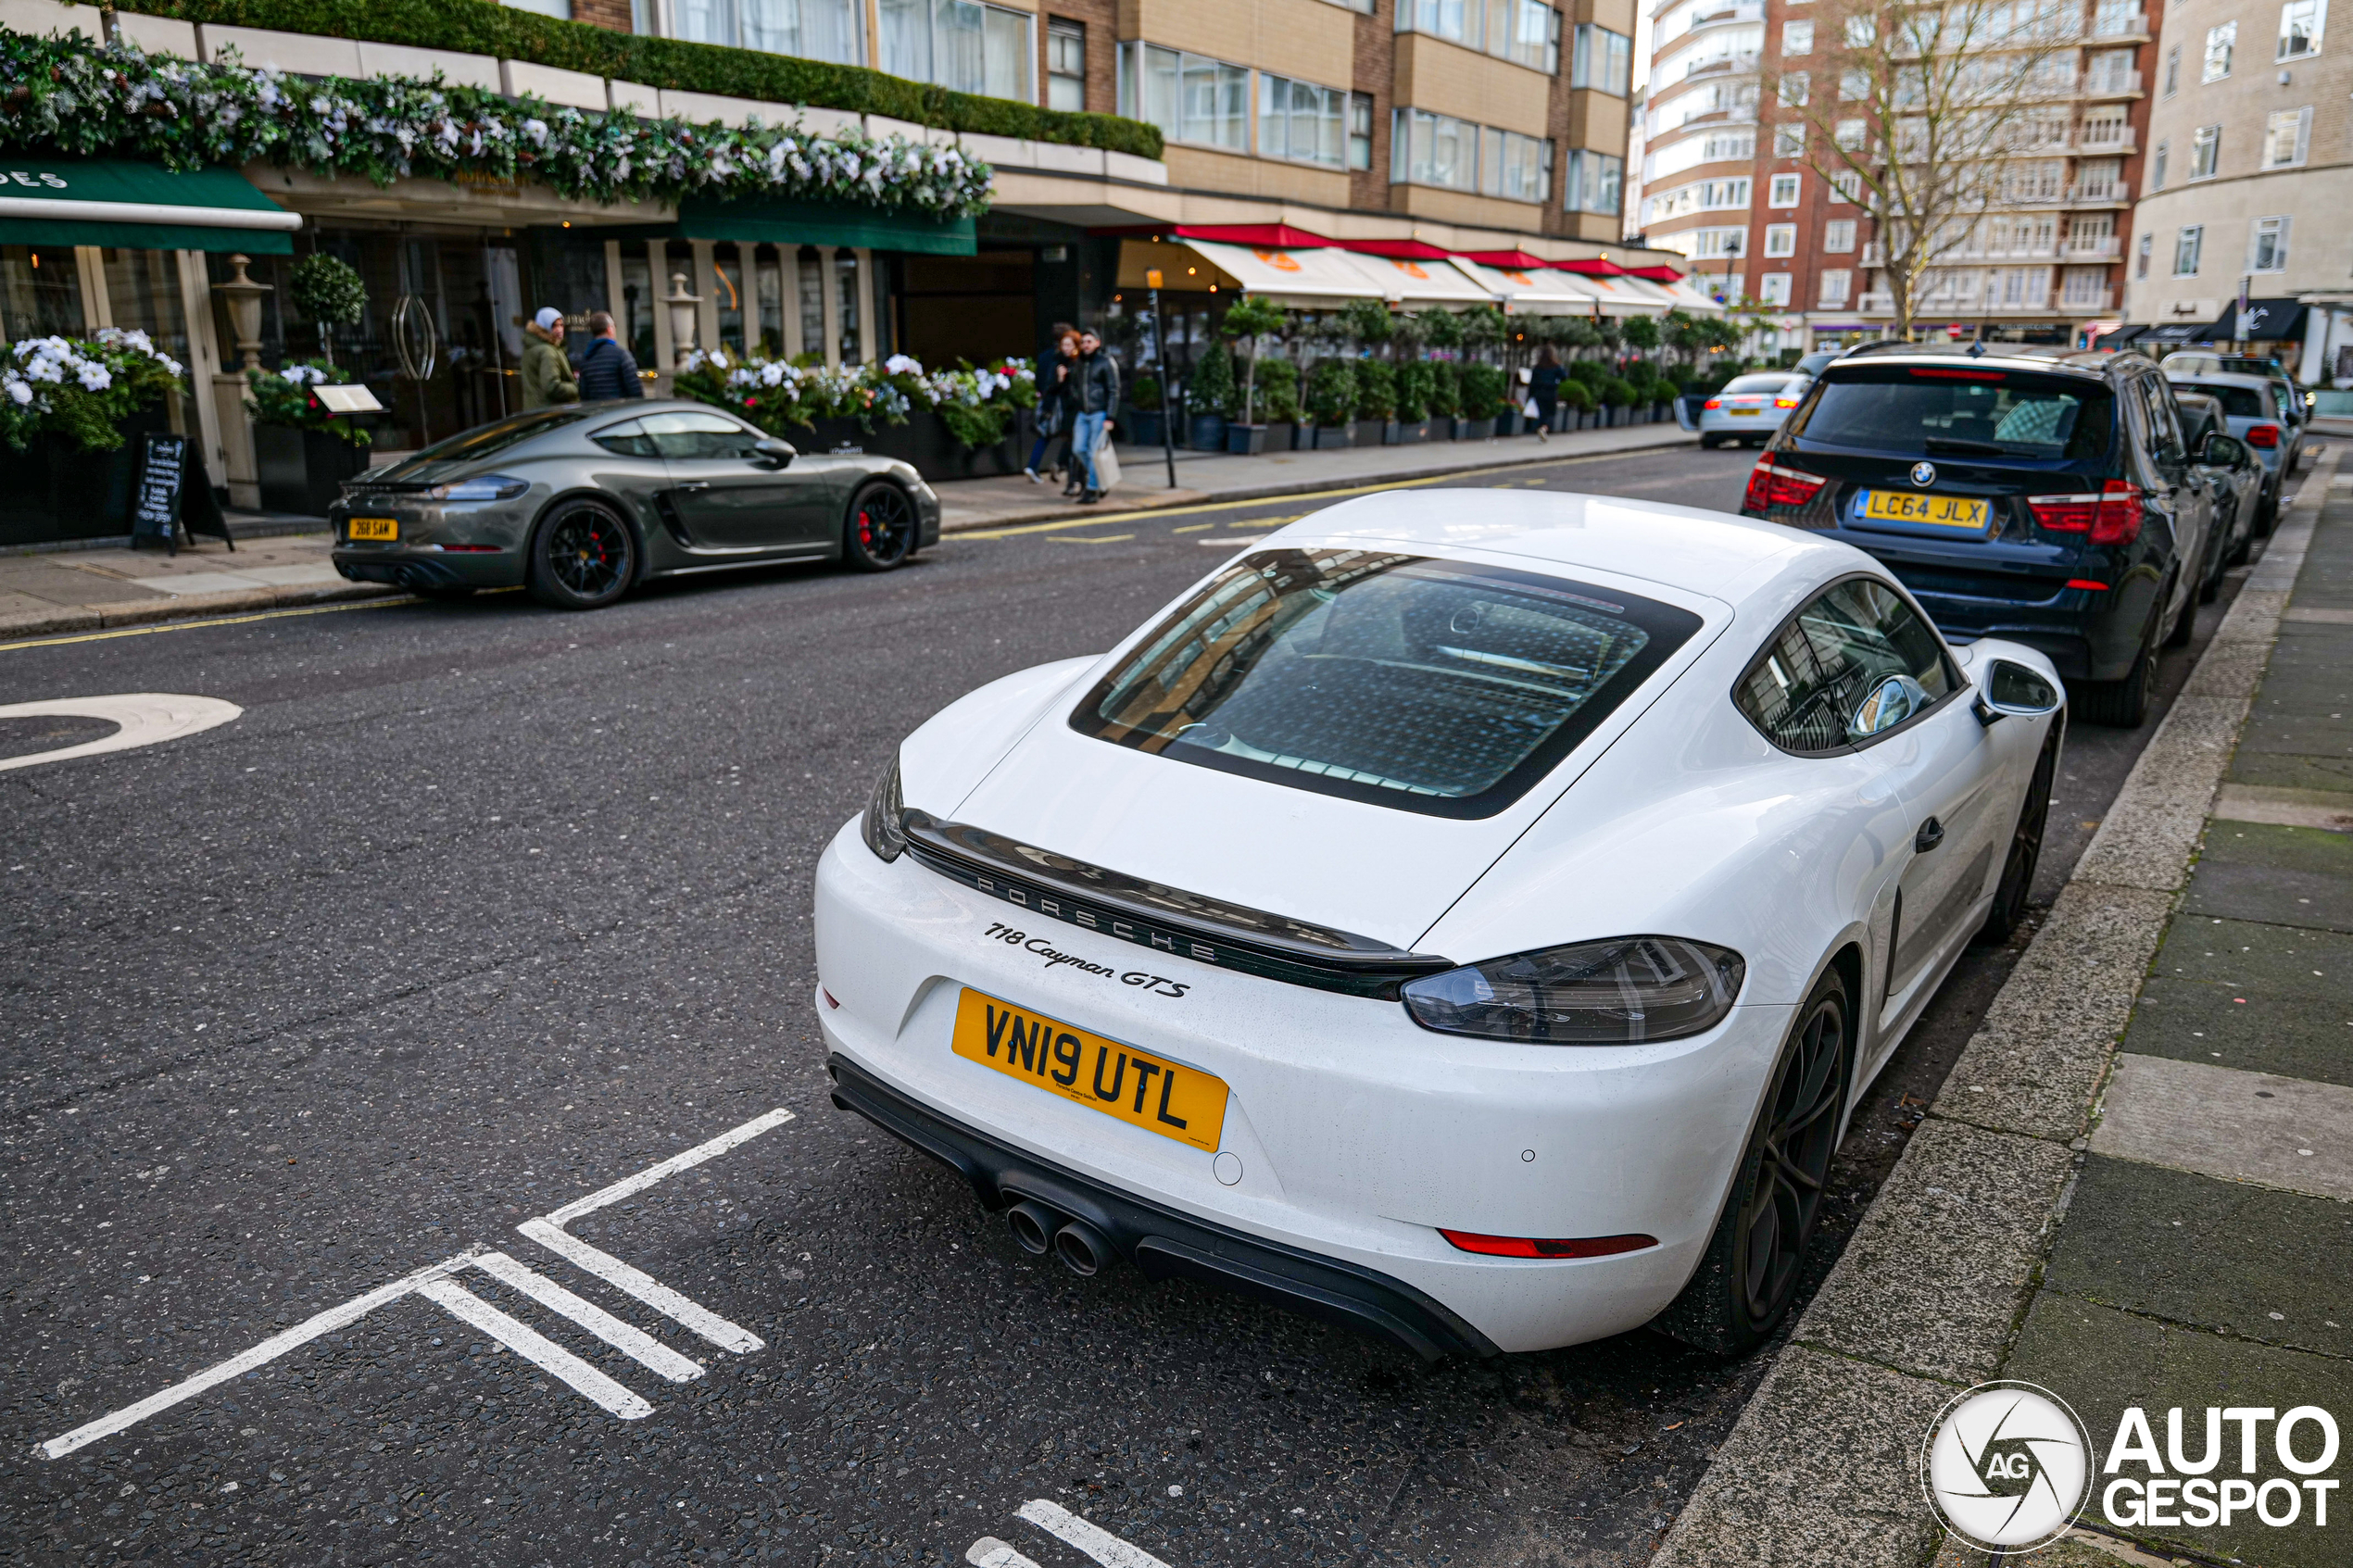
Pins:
<point x="1937" y="512"/>
<point x="1744" y="413"/>
<point x="374" y="528"/>
<point x="1138" y="1087"/>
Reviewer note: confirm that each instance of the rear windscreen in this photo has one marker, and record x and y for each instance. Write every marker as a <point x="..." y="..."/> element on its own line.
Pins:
<point x="1758" y="383"/>
<point x="2238" y="401"/>
<point x="1962" y="413"/>
<point x="1435" y="685"/>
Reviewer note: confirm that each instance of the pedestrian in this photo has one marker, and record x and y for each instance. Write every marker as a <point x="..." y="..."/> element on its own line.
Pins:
<point x="1544" y="390"/>
<point x="1053" y="417"/>
<point x="1094" y="397"/>
<point x="546" y="374"/>
<point x="608" y="369"/>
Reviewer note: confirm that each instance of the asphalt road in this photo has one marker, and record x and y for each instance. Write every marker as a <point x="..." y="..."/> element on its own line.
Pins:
<point x="480" y="907"/>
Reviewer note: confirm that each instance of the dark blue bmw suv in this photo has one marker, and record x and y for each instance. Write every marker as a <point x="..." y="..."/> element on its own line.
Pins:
<point x="2044" y="496"/>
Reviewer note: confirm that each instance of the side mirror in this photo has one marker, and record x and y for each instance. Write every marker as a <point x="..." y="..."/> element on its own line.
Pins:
<point x="1888" y="704"/>
<point x="771" y="453"/>
<point x="2223" y="451"/>
<point x="2010" y="688"/>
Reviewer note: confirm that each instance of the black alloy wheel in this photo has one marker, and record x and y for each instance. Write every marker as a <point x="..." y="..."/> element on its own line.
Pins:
<point x="582" y="557"/>
<point x="880" y="532"/>
<point x="1747" y="1282"/>
<point x="2026" y="850"/>
<point x="2124" y="705"/>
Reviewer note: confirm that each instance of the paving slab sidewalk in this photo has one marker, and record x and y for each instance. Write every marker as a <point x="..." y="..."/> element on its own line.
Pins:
<point x="2136" y="1186"/>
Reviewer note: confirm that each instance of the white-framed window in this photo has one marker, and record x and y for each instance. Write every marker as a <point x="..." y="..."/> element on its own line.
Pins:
<point x="1700" y="196"/>
<point x="2083" y="288"/>
<point x="815" y="30"/>
<point x="2141" y="257"/>
<point x="1066" y="65"/>
<point x="2205" y="151"/>
<point x="1717" y="147"/>
<point x="1838" y="236"/>
<point x="2220" y="41"/>
<point x="1190" y="97"/>
<point x="2113" y="18"/>
<point x="1851" y="135"/>
<point x="2172" y="70"/>
<point x="1528" y="32"/>
<point x="1797" y="38"/>
<point x="1514" y="167"/>
<point x="1862" y="30"/>
<point x="1837" y="288"/>
<point x="1846" y="185"/>
<point x="1602" y="60"/>
<point x="2287" y="138"/>
<point x="1795" y="86"/>
<point x="1783" y="191"/>
<point x="1302" y="122"/>
<point x="1789" y="141"/>
<point x="1781" y="239"/>
<point x="1773" y="288"/>
<point x="2300" y="24"/>
<point x="2157" y="165"/>
<point x="2187" y="244"/>
<point x="1433" y="149"/>
<point x="2267" y="245"/>
<point x="960" y="44"/>
<point x="1360" y="131"/>
<point x="1595" y="182"/>
<point x="1854" y="86"/>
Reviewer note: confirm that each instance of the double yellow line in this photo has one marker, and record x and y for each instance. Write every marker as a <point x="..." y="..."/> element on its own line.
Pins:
<point x="203" y="620"/>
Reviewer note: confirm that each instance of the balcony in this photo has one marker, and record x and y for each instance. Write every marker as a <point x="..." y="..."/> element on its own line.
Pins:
<point x="1717" y="16"/>
<point x="2106" y="137"/>
<point x="1877" y="303"/>
<point x="2111" y="84"/>
<point x="1874" y="253"/>
<point x="2104" y="192"/>
<point x="2116" y="28"/>
<point x="1722" y="65"/>
<point x="2095" y="247"/>
<point x="2086" y="302"/>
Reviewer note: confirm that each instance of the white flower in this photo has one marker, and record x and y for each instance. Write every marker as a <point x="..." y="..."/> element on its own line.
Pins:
<point x="94" y="376"/>
<point x="21" y="391"/>
<point x="902" y="365"/>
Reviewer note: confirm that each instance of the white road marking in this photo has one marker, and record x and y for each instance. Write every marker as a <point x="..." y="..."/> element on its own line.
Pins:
<point x="668" y="1168"/>
<point x="990" y="1552"/>
<point x="537" y="1349"/>
<point x="643" y="1286"/>
<point x="1092" y="1539"/>
<point x="625" y="1337"/>
<point x="146" y="717"/>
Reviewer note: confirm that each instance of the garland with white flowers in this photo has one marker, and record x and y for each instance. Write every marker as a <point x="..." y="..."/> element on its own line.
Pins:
<point x="68" y="95"/>
<point x="80" y="388"/>
<point x="779" y="396"/>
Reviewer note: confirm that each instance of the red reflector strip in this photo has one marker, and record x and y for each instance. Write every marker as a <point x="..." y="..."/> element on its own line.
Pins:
<point x="1957" y="375"/>
<point x="1527" y="1246"/>
<point x="828" y="995"/>
<point x="2265" y="436"/>
<point x="2087" y="583"/>
<point x="473" y="549"/>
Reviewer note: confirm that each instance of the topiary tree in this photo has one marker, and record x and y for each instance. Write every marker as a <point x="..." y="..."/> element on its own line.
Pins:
<point x="1440" y="329"/>
<point x="1482" y="390"/>
<point x="1413" y="381"/>
<point x="1483" y="326"/>
<point x="1642" y="331"/>
<point x="1617" y="391"/>
<point x="1213" y="390"/>
<point x="1331" y="392"/>
<point x="1366" y="322"/>
<point x="1277" y="392"/>
<point x="1375" y="389"/>
<point x="1252" y="320"/>
<point x="331" y="294"/>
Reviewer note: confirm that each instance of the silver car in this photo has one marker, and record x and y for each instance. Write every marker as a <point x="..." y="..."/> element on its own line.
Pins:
<point x="2251" y="412"/>
<point x="1751" y="408"/>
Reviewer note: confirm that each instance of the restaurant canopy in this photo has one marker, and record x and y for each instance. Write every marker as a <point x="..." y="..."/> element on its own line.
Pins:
<point x="764" y="220"/>
<point x="1539" y="291"/>
<point x="1309" y="278"/>
<point x="65" y="201"/>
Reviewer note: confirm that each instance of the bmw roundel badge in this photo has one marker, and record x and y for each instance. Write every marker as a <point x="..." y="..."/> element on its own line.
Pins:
<point x="1923" y="474"/>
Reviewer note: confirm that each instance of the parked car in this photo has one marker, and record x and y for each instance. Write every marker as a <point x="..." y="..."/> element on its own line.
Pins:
<point x="2296" y="401"/>
<point x="581" y="502"/>
<point x="2251" y="411"/>
<point x="1750" y="407"/>
<point x="1811" y="365"/>
<point x="1670" y="769"/>
<point x="2046" y="496"/>
<point x="2235" y="479"/>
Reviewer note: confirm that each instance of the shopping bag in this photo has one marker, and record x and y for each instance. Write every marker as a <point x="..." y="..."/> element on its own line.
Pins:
<point x="1106" y="463"/>
<point x="1529" y="409"/>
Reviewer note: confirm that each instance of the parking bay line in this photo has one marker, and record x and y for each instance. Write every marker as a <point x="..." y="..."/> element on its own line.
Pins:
<point x="643" y="1286"/>
<point x="626" y="1337"/>
<point x="1090" y="1538"/>
<point x="536" y="1348"/>
<point x="990" y="1552"/>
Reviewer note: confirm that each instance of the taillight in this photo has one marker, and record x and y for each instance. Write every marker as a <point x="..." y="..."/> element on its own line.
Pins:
<point x="1784" y="402"/>
<point x="2265" y="436"/>
<point x="1541" y="1246"/>
<point x="2111" y="515"/>
<point x="1713" y="403"/>
<point x="1771" y="484"/>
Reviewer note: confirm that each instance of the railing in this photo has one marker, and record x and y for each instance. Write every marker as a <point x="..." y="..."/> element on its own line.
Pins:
<point x="2111" y="84"/>
<point x="2134" y="26"/>
<point x="2095" y="247"/>
<point x="2106" y="136"/>
<point x="1746" y="11"/>
<point x="1876" y="302"/>
<point x="2107" y="192"/>
<point x="1723" y="65"/>
<point x="2086" y="300"/>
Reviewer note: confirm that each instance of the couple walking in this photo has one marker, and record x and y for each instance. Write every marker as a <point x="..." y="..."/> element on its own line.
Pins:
<point x="606" y="371"/>
<point x="1077" y="395"/>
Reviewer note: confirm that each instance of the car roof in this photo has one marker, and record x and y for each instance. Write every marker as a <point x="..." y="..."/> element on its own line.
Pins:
<point x="2247" y="379"/>
<point x="2006" y="357"/>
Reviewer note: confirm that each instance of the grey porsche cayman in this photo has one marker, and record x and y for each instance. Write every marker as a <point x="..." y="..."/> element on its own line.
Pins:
<point x="579" y="503"/>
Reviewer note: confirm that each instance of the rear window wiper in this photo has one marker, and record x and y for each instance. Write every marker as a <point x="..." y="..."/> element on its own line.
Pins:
<point x="1945" y="444"/>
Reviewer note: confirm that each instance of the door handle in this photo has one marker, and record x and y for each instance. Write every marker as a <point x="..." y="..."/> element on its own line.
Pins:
<point x="690" y="487"/>
<point x="1932" y="833"/>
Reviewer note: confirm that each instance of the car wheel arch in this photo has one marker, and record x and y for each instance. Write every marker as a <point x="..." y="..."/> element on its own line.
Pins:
<point x="638" y="534"/>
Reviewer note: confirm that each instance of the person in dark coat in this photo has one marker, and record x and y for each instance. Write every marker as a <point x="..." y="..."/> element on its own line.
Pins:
<point x="1544" y="386"/>
<point x="1053" y="411"/>
<point x="608" y="369"/>
<point x="1094" y="398"/>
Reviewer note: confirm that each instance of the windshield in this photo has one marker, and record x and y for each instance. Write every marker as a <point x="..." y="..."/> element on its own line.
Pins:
<point x="1758" y="383"/>
<point x="484" y="441"/>
<point x="1432" y="685"/>
<point x="1933" y="408"/>
<point x="2238" y="401"/>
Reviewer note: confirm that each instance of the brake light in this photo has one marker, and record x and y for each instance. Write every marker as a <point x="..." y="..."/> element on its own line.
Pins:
<point x="1526" y="1247"/>
<point x="1772" y="484"/>
<point x="1713" y="403"/>
<point x="2265" y="436"/>
<point x="2109" y="516"/>
<point x="1784" y="402"/>
<point x="1928" y="373"/>
<point x="2086" y="583"/>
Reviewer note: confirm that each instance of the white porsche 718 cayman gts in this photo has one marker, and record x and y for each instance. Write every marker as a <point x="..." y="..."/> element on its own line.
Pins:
<point x="1469" y="916"/>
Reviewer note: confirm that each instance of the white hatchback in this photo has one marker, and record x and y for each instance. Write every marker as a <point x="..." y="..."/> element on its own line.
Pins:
<point x="1466" y="915"/>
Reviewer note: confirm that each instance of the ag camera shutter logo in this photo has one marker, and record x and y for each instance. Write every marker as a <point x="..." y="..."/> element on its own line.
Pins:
<point x="2007" y="1466"/>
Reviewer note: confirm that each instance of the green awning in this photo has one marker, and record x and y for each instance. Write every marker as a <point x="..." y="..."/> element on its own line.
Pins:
<point x="817" y="223"/>
<point x="63" y="201"/>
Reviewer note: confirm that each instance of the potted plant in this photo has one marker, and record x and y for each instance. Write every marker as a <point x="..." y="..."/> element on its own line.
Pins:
<point x="1411" y="425"/>
<point x="1482" y="398"/>
<point x="69" y="409"/>
<point x="1277" y="406"/>
<point x="1443" y="395"/>
<point x="302" y="452"/>
<point x="1617" y="395"/>
<point x="1331" y="399"/>
<point x="1143" y="409"/>
<point x="1575" y="403"/>
<point x="331" y="294"/>
<point x="1211" y="397"/>
<point x="1375" y="423"/>
<point x="1252" y="320"/>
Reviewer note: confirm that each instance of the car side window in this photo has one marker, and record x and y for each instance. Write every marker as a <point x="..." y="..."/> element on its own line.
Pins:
<point x="1855" y="663"/>
<point x="701" y="435"/>
<point x="2164" y="427"/>
<point x="628" y="439"/>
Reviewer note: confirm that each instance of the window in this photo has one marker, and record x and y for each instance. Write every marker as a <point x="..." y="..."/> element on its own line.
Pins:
<point x="1360" y="131"/>
<point x="1190" y="97"/>
<point x="2287" y="137"/>
<point x="1066" y="65"/>
<point x="1854" y="662"/>
<point x="2220" y="42"/>
<point x="1528" y="32"/>
<point x="1433" y="149"/>
<point x="1709" y="243"/>
<point x="2157" y="165"/>
<point x="1428" y="685"/>
<point x="1795" y="87"/>
<point x="698" y="435"/>
<point x="2300" y="28"/>
<point x="1603" y="60"/>
<point x="1773" y="287"/>
<point x="2114" y="18"/>
<point x="2267" y="245"/>
<point x="1700" y="196"/>
<point x="1781" y="239"/>
<point x="2205" y="151"/>
<point x="1851" y="135"/>
<point x="1854" y="86"/>
<point x="1861" y="32"/>
<point x="815" y="30"/>
<point x="1837" y="285"/>
<point x="2172" y="70"/>
<point x="1847" y="186"/>
<point x="1797" y="38"/>
<point x="1789" y="141"/>
<point x="959" y="44"/>
<point x="1514" y="166"/>
<point x="1838" y="236"/>
<point x="1717" y="147"/>
<point x="2140" y="265"/>
<point x="2186" y="246"/>
<point x="1301" y="121"/>
<point x="1783" y="191"/>
<point x="1892" y="409"/>
<point x="1596" y="182"/>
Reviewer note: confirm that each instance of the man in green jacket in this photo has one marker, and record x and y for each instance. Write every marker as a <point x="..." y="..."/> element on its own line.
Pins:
<point x="546" y="374"/>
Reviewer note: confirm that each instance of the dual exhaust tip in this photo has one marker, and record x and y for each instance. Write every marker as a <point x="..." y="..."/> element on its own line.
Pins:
<point x="1037" y="1230"/>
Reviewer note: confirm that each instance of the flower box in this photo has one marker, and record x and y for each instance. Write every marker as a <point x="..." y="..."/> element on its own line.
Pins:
<point x="1410" y="433"/>
<point x="924" y="443"/>
<point x="1141" y="427"/>
<point x="1206" y="433"/>
<point x="1474" y="430"/>
<point x="302" y="471"/>
<point x="1281" y="437"/>
<point x="1249" y="440"/>
<point x="1328" y="437"/>
<point x="1368" y="432"/>
<point x="1507" y="422"/>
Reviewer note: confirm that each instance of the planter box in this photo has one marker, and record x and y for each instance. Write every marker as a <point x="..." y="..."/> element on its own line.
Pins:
<point x="302" y="471"/>
<point x="1509" y="422"/>
<point x="923" y="443"/>
<point x="1368" y="432"/>
<point x="1474" y="430"/>
<point x="1281" y="437"/>
<point x="1142" y="427"/>
<point x="1324" y="438"/>
<point x="54" y="491"/>
<point x="1410" y="433"/>
<point x="1245" y="441"/>
<point x="1206" y="433"/>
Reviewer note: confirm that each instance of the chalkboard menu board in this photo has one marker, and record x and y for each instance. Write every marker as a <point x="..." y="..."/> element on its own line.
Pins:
<point x="155" y="497"/>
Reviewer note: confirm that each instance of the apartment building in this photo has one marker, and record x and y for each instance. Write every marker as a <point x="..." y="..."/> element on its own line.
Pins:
<point x="1727" y="180"/>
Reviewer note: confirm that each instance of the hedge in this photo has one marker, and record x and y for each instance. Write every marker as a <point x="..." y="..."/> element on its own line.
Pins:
<point x="479" y="27"/>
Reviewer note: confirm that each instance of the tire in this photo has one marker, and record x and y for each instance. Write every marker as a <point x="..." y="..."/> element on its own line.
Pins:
<point x="2123" y="705"/>
<point x="1709" y="442"/>
<point x="1747" y="1279"/>
<point x="879" y="533"/>
<point x="2267" y="516"/>
<point x="2184" y="625"/>
<point x="582" y="556"/>
<point x="2026" y="851"/>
